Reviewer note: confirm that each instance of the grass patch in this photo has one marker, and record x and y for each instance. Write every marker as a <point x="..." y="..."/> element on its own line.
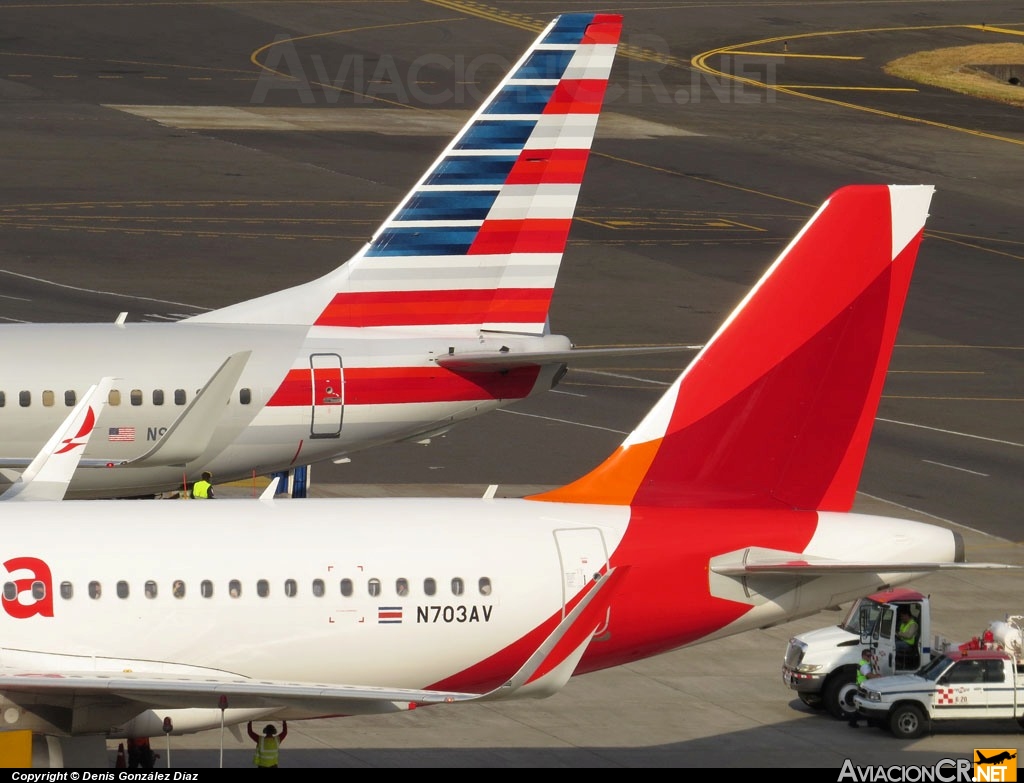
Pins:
<point x="951" y="70"/>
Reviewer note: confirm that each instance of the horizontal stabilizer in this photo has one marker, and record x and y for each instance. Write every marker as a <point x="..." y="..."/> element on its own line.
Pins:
<point x="767" y="562"/>
<point x="187" y="438"/>
<point x="486" y="362"/>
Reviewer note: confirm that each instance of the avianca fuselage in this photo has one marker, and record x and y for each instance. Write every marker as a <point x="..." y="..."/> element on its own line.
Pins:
<point x="299" y="399"/>
<point x="448" y="594"/>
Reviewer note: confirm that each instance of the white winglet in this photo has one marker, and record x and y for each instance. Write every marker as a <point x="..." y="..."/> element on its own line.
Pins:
<point x="272" y="489"/>
<point x="48" y="475"/>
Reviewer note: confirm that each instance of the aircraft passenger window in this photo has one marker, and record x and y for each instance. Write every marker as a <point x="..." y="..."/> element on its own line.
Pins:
<point x="318" y="588"/>
<point x="346" y="587"/>
<point x="373" y="587"/>
<point x="122" y="589"/>
<point x="70" y="398"/>
<point x="291" y="588"/>
<point x="485" y="585"/>
<point x="430" y="585"/>
<point x="206" y="588"/>
<point x="179" y="396"/>
<point x="3" y="399"/>
<point x="10" y="591"/>
<point x="402" y="586"/>
<point x="178" y="588"/>
<point x="95" y="591"/>
<point x="67" y="591"/>
<point x="158" y="396"/>
<point x="458" y="586"/>
<point x="48" y="398"/>
<point x="136" y="396"/>
<point x="263" y="588"/>
<point x="38" y="590"/>
<point x="234" y="588"/>
<point x="24" y="398"/>
<point x="114" y="398"/>
<point x="245" y="396"/>
<point x="150" y="589"/>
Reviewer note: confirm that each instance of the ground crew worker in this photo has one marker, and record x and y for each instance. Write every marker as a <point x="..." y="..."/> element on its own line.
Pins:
<point x="906" y="632"/>
<point x="865" y="671"/>
<point x="203" y="488"/>
<point x="267" y="746"/>
<point x="140" y="754"/>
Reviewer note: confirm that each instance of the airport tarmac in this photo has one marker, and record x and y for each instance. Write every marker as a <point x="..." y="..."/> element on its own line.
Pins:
<point x="151" y="168"/>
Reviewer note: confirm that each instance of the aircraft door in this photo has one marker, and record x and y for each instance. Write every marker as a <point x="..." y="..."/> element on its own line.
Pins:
<point x="328" y="404"/>
<point x="582" y="553"/>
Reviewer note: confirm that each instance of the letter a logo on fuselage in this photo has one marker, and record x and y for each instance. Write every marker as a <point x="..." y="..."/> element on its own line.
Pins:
<point x="32" y="594"/>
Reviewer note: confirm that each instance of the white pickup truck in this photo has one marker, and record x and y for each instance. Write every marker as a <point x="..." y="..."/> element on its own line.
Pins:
<point x="821" y="665"/>
<point x="962" y="684"/>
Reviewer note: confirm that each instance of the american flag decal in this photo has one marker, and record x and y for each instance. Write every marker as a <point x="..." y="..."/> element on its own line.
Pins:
<point x="389" y="614"/>
<point x="121" y="434"/>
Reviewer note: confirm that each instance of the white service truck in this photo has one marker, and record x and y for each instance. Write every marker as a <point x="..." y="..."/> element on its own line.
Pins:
<point x="980" y="680"/>
<point x="821" y="665"/>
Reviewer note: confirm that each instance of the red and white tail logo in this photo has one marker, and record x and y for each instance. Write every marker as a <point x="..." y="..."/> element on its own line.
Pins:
<point x="777" y="409"/>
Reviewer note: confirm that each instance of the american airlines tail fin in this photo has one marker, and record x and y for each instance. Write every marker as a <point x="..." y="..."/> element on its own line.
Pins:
<point x="477" y="243"/>
<point x="777" y="409"/>
<point x="48" y="475"/>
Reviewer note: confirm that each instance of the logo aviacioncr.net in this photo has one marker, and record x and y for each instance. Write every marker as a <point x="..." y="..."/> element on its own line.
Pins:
<point x="995" y="764"/>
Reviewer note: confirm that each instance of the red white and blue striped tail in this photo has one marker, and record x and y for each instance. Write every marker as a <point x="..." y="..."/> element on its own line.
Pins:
<point x="477" y="243"/>
<point x="776" y="410"/>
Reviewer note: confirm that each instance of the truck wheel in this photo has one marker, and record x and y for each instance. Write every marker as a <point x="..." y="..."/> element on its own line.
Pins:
<point x="838" y="695"/>
<point x="907" y="721"/>
<point x="812" y="700"/>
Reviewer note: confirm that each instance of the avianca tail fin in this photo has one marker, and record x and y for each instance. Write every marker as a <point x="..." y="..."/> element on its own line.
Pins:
<point x="477" y="243"/>
<point x="48" y="475"/>
<point x="777" y="409"/>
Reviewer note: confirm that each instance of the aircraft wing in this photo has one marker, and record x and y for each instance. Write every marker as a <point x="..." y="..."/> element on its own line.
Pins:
<point x="122" y="695"/>
<point x="485" y="362"/>
<point x="118" y="695"/>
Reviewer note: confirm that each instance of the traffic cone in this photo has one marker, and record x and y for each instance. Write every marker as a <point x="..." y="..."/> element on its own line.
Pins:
<point x="120" y="757"/>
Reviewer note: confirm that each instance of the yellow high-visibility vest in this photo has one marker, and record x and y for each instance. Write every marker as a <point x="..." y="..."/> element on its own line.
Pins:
<point x="266" y="752"/>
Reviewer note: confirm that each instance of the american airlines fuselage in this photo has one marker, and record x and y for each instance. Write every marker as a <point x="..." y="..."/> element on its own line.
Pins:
<point x="304" y="395"/>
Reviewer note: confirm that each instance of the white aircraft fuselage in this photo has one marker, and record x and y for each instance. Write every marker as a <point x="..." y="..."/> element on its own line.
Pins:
<point x="303" y="396"/>
<point x="450" y="594"/>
